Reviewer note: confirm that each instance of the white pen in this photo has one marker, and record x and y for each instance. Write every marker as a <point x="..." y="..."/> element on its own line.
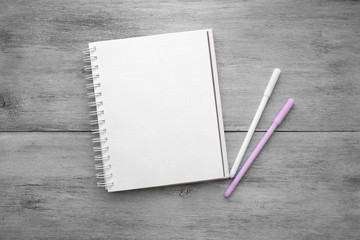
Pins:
<point x="259" y="111"/>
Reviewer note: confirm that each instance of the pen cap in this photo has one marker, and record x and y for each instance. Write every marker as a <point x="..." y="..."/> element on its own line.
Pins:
<point x="285" y="109"/>
<point x="270" y="87"/>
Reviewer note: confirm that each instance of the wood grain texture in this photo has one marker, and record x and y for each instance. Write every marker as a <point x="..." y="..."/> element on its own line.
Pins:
<point x="305" y="183"/>
<point x="315" y="43"/>
<point x="300" y="187"/>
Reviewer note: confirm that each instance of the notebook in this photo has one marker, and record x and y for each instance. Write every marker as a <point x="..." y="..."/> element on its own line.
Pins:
<point x="156" y="109"/>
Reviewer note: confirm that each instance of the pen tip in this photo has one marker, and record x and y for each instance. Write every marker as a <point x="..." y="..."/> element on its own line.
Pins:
<point x="227" y="194"/>
<point x="291" y="101"/>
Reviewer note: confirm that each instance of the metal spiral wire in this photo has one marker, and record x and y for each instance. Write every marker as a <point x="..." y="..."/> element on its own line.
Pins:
<point x="100" y="141"/>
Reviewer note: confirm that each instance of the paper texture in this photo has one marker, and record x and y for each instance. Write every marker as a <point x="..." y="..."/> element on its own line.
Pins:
<point x="162" y="110"/>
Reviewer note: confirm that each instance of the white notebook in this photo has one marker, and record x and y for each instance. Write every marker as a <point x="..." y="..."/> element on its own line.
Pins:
<point x="156" y="106"/>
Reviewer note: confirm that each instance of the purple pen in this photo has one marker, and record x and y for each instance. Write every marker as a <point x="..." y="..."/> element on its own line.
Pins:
<point x="278" y="119"/>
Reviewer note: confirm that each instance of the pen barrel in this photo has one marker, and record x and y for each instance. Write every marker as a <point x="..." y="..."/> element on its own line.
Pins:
<point x="250" y="159"/>
<point x="285" y="109"/>
<point x="256" y="151"/>
<point x="267" y="93"/>
<point x="248" y="136"/>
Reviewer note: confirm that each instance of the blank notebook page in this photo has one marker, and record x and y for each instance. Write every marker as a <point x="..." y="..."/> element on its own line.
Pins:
<point x="162" y="110"/>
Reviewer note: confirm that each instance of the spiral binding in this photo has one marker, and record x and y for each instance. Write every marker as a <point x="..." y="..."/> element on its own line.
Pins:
<point x="100" y="140"/>
<point x="93" y="85"/>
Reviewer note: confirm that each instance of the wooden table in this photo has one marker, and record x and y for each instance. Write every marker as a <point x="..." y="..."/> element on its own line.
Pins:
<point x="304" y="184"/>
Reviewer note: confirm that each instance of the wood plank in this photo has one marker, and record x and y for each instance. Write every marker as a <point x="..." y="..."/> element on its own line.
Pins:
<point x="302" y="186"/>
<point x="315" y="43"/>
